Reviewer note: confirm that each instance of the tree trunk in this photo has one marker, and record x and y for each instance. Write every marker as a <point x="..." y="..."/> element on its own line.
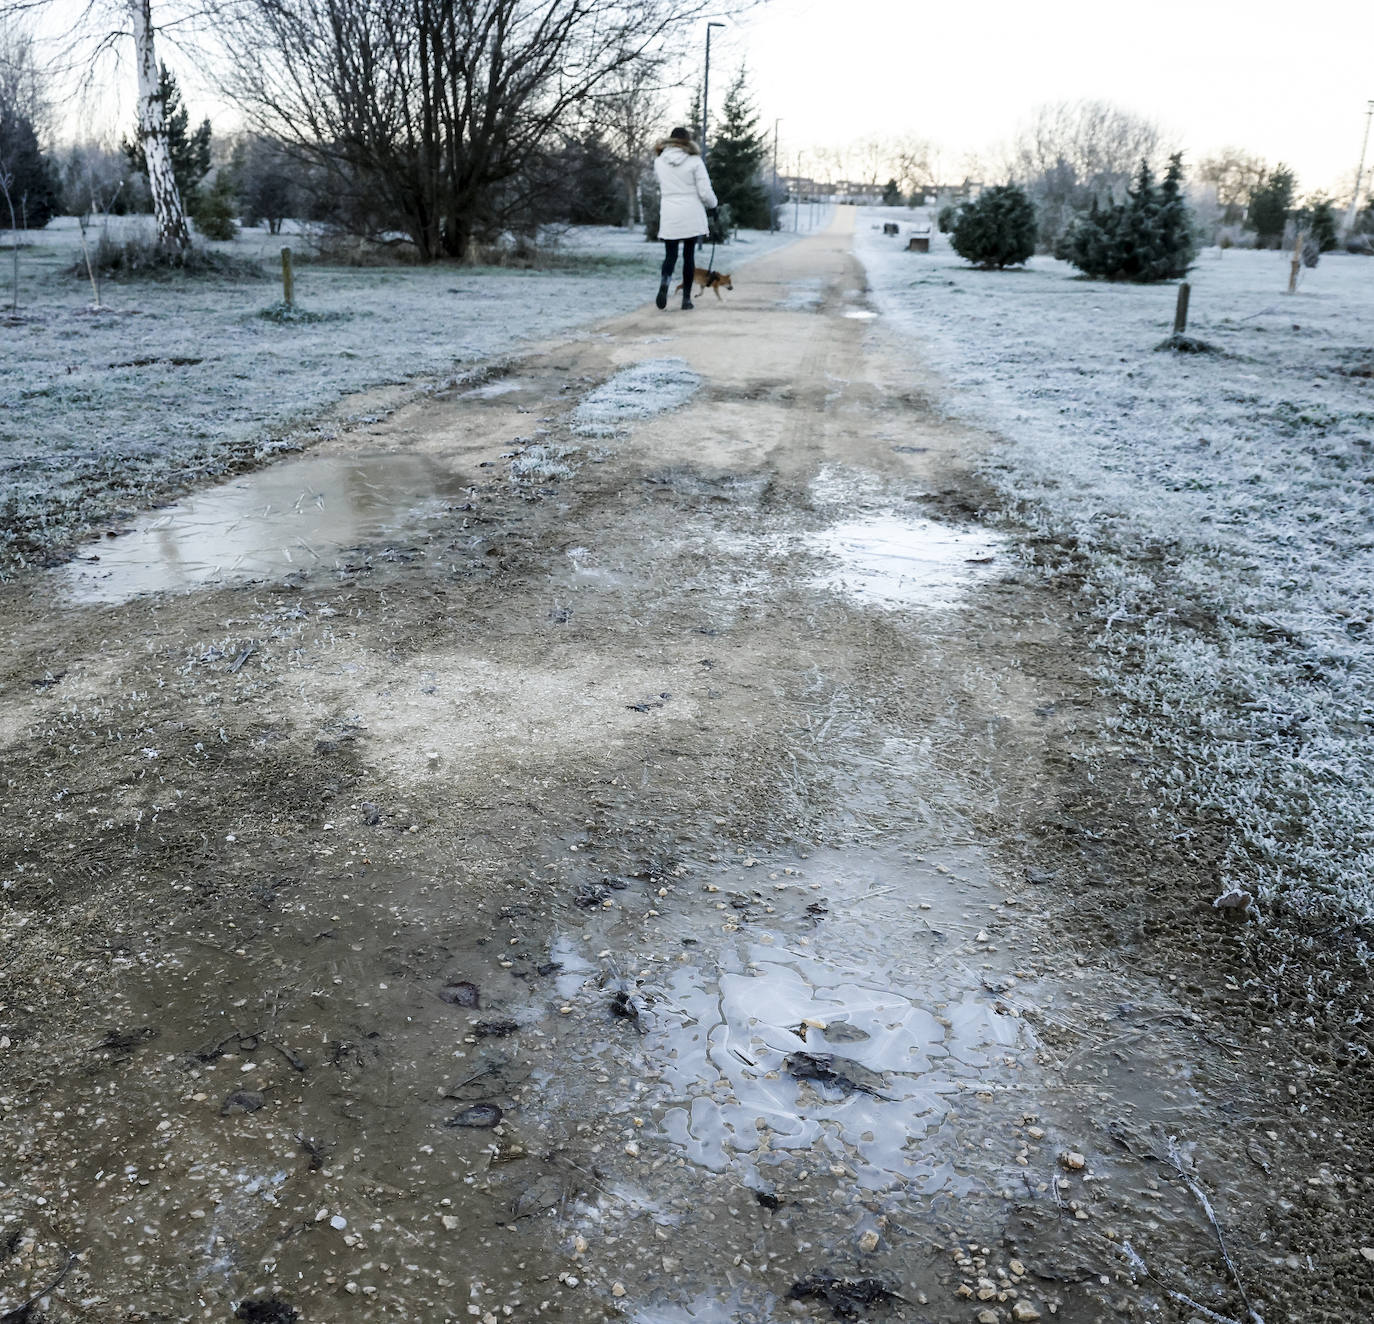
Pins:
<point x="152" y="134"/>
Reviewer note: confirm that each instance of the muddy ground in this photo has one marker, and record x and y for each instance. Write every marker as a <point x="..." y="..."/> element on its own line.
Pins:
<point x="589" y="860"/>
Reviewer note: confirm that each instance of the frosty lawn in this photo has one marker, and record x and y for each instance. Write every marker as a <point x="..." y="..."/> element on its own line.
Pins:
<point x="1221" y="509"/>
<point x="177" y="380"/>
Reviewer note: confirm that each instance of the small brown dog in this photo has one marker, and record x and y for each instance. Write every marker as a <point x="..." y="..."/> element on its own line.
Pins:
<point x="710" y="280"/>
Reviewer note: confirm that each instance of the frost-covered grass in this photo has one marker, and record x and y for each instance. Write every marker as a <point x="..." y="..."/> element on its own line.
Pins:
<point x="178" y="379"/>
<point x="1221" y="507"/>
<point x="648" y="387"/>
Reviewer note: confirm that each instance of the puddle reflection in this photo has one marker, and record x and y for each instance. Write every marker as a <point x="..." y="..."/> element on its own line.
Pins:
<point x="294" y="515"/>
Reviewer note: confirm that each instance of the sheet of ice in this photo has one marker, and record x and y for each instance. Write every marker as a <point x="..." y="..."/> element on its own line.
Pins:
<point x="886" y="561"/>
<point x="718" y="1029"/>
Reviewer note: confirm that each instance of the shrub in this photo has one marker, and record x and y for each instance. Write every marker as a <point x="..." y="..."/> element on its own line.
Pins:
<point x="720" y="224"/>
<point x="998" y="230"/>
<point x="1148" y="237"/>
<point x="145" y="256"/>
<point x="946" y="217"/>
<point x="214" y="208"/>
<point x="1318" y="218"/>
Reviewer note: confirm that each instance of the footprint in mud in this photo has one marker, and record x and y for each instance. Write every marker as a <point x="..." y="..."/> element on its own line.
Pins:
<point x="267" y="1310"/>
<point x="480" y="1117"/>
<point x="461" y="994"/>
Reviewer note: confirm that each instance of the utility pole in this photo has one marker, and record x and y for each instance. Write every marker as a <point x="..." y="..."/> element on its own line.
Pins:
<point x="773" y="212"/>
<point x="1359" y="173"/>
<point x="796" y="201"/>
<point x="706" y="86"/>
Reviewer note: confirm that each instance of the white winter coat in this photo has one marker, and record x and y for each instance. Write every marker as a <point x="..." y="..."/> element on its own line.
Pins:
<point x="685" y="191"/>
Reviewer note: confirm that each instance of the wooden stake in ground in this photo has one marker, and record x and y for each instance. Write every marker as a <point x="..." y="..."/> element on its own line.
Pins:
<point x="5" y="180"/>
<point x="1181" y="309"/>
<point x="288" y="280"/>
<point x="1297" y="264"/>
<point x="90" y="266"/>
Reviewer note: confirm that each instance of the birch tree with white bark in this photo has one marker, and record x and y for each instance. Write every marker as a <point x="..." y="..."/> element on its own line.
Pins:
<point x="102" y="27"/>
<point x="152" y="132"/>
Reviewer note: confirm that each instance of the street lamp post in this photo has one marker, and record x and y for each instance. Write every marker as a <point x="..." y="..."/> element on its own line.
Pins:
<point x="1359" y="173"/>
<point x="706" y="86"/>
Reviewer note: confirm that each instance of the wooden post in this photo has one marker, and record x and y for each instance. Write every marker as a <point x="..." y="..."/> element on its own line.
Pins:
<point x="288" y="283"/>
<point x="1297" y="264"/>
<point x="1181" y="309"/>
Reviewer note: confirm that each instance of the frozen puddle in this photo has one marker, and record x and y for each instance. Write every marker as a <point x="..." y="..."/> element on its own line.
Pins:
<point x="891" y="562"/>
<point x="803" y="295"/>
<point x="293" y="515"/>
<point x="491" y="390"/>
<point x="740" y="1035"/>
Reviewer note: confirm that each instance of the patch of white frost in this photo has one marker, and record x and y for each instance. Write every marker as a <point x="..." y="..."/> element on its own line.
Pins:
<point x="651" y="386"/>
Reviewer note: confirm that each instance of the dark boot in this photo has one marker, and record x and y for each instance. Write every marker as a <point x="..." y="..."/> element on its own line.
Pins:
<point x="662" y="298"/>
<point x="687" y="303"/>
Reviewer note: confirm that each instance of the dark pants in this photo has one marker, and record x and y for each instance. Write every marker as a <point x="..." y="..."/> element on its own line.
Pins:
<point x="689" y="250"/>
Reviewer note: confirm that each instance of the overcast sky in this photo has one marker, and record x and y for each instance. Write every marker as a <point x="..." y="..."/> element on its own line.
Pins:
<point x="1288" y="82"/>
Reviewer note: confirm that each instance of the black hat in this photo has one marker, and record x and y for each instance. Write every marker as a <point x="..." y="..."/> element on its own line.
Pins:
<point x="681" y="135"/>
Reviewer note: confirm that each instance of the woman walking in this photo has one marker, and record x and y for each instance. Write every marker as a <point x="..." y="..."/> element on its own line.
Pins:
<point x="685" y="192"/>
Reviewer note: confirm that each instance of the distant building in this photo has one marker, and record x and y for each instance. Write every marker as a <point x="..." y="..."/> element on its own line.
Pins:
<point x="951" y="195"/>
<point x="808" y="189"/>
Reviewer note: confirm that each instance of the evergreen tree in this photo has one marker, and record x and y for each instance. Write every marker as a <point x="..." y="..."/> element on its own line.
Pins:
<point x="737" y="155"/>
<point x="1270" y="203"/>
<point x="190" y="151"/>
<point x="597" y="197"/>
<point x="1148" y="237"/>
<point x="215" y="209"/>
<point x="998" y="230"/>
<point x="1318" y="218"/>
<point x="29" y="177"/>
<point x="892" y="195"/>
<point x="693" y="125"/>
<point x="1177" y="234"/>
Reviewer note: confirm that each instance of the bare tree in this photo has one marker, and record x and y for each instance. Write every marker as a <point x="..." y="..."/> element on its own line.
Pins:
<point x="431" y="112"/>
<point x="1074" y="151"/>
<point x="1234" y="175"/>
<point x="23" y="87"/>
<point x="628" y="108"/>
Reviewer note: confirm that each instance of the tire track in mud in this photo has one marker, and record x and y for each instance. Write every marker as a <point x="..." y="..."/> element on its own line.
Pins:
<point x="530" y="833"/>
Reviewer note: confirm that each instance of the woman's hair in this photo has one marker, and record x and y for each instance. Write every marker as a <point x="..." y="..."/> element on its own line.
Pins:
<point x="673" y="140"/>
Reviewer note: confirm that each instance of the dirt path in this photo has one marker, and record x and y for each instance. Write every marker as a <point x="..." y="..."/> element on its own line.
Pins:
<point x="601" y="863"/>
